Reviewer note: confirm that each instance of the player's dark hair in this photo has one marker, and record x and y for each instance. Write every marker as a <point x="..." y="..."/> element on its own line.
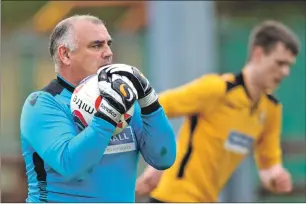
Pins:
<point x="269" y="33"/>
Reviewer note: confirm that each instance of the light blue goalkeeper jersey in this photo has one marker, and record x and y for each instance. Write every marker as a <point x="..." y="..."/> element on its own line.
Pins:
<point x="65" y="165"/>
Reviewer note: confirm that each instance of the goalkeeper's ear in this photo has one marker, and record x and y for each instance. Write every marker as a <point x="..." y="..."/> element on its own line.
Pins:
<point x="63" y="54"/>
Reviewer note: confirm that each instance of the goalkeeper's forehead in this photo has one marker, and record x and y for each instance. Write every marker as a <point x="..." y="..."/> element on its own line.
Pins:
<point x="90" y="32"/>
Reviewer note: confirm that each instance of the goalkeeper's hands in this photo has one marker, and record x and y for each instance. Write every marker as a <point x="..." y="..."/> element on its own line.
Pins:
<point x="117" y="97"/>
<point x="147" y="97"/>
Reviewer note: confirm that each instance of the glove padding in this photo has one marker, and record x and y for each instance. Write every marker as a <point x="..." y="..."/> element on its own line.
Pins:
<point x="117" y="97"/>
<point x="147" y="97"/>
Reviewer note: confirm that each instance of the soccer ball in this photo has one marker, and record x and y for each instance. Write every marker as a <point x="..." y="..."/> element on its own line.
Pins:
<point x="86" y="100"/>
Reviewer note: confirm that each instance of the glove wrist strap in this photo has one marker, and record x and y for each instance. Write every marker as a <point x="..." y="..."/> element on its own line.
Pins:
<point x="149" y="99"/>
<point x="151" y="108"/>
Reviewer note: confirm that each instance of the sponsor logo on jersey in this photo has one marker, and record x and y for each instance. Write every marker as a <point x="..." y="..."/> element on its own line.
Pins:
<point x="122" y="142"/>
<point x="239" y="143"/>
<point x="33" y="98"/>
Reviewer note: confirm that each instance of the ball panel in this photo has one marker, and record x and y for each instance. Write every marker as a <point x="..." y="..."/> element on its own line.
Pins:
<point x="79" y="120"/>
<point x="98" y="102"/>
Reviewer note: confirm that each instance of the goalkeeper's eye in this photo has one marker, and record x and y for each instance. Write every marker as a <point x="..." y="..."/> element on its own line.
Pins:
<point x="98" y="46"/>
<point x="109" y="43"/>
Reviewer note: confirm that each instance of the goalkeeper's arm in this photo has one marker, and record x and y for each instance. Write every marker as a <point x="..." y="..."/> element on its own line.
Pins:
<point x="52" y="133"/>
<point x="155" y="136"/>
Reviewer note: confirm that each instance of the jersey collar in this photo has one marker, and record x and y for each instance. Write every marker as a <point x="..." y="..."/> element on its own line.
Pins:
<point x="65" y="83"/>
<point x="241" y="80"/>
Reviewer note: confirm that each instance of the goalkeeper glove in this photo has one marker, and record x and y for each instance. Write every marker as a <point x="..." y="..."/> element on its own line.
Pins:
<point x="147" y="97"/>
<point x="117" y="98"/>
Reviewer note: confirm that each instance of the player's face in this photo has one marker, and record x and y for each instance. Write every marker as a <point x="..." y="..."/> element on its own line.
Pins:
<point x="93" y="49"/>
<point x="275" y="66"/>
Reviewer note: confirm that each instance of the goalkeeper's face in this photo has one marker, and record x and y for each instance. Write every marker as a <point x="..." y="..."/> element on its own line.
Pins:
<point x="93" y="49"/>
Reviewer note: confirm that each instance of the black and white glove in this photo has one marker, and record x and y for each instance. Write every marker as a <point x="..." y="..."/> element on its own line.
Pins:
<point x="117" y="97"/>
<point x="147" y="97"/>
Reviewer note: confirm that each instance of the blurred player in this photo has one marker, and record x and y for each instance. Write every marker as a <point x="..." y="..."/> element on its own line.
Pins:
<point x="65" y="165"/>
<point x="227" y="117"/>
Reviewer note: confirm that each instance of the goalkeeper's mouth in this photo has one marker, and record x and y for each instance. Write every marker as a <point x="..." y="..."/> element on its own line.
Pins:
<point x="103" y="65"/>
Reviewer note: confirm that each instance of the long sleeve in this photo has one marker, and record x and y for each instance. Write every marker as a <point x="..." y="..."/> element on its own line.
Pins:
<point x="155" y="138"/>
<point x="199" y="95"/>
<point x="52" y="134"/>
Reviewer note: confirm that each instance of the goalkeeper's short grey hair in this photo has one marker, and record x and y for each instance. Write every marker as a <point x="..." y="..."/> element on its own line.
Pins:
<point x="63" y="34"/>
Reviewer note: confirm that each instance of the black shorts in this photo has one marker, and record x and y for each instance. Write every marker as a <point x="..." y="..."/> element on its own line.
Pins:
<point x="153" y="200"/>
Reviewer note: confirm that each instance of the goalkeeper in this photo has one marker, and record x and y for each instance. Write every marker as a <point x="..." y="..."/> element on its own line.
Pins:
<point x="64" y="165"/>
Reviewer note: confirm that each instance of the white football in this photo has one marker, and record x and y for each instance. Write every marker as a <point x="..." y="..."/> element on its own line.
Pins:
<point x="85" y="101"/>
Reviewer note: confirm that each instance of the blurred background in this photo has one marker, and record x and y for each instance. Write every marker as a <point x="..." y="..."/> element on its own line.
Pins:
<point x="172" y="43"/>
